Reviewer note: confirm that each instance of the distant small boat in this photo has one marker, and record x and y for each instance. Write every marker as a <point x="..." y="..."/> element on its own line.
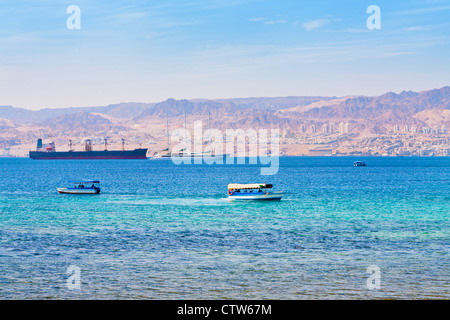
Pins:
<point x="359" y="164"/>
<point x="157" y="156"/>
<point x="82" y="187"/>
<point x="206" y="154"/>
<point x="253" y="192"/>
<point x="181" y="154"/>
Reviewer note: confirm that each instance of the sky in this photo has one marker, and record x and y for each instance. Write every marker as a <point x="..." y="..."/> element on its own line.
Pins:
<point x="150" y="51"/>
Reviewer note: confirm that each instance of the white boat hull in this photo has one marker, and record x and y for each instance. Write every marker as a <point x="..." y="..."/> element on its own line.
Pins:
<point x="188" y="156"/>
<point x="268" y="196"/>
<point x="78" y="191"/>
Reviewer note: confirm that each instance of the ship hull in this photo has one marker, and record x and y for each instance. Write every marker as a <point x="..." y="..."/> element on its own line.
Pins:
<point x="79" y="191"/>
<point x="259" y="196"/>
<point x="90" y="155"/>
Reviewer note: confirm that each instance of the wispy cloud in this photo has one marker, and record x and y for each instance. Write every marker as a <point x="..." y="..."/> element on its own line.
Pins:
<point x="437" y="26"/>
<point x="347" y="30"/>
<point x="424" y="10"/>
<point x="267" y="21"/>
<point x="415" y="28"/>
<point x="259" y="19"/>
<point x="315" y="24"/>
<point x="276" y="21"/>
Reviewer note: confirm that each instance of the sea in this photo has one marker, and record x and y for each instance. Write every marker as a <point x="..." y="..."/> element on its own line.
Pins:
<point x="159" y="230"/>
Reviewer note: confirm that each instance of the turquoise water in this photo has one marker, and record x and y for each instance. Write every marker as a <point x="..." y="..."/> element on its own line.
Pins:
<point x="165" y="231"/>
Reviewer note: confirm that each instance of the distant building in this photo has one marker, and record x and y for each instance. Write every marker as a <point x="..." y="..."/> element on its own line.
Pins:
<point x="347" y="127"/>
<point x="425" y="153"/>
<point x="444" y="129"/>
<point x="414" y="129"/>
<point x="406" y="128"/>
<point x="6" y="152"/>
<point x="396" y="128"/>
<point x="325" y="128"/>
<point x="331" y="129"/>
<point x="313" y="128"/>
<point x="344" y="127"/>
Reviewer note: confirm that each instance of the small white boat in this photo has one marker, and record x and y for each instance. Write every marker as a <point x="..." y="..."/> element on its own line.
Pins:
<point x="253" y="192"/>
<point x="188" y="155"/>
<point x="206" y="154"/>
<point x="82" y="187"/>
<point x="161" y="156"/>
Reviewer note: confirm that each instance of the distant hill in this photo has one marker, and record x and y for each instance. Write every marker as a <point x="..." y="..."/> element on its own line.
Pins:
<point x="384" y="110"/>
<point x="369" y="114"/>
<point x="25" y="116"/>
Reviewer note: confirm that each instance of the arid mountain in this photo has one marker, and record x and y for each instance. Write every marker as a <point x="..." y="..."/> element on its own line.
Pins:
<point x="377" y="112"/>
<point x="83" y="120"/>
<point x="25" y="116"/>
<point x="6" y="124"/>
<point x="395" y="106"/>
<point x="147" y="121"/>
<point x="274" y="103"/>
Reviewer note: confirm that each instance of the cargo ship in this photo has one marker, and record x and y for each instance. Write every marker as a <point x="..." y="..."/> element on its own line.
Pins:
<point x="48" y="152"/>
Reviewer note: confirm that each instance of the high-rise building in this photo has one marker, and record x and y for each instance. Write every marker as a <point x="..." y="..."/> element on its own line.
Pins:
<point x="303" y="128"/>
<point x="313" y="128"/>
<point x="331" y="129"/>
<point x="341" y="127"/>
<point x="347" y="127"/>
<point x="325" y="128"/>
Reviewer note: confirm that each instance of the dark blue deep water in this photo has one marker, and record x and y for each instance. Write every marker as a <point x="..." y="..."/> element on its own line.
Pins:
<point x="165" y="231"/>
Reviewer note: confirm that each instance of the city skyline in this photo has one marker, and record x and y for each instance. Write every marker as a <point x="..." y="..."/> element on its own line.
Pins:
<point x="149" y="52"/>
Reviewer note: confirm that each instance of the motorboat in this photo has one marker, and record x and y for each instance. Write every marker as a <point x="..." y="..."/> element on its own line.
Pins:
<point x="359" y="164"/>
<point x="254" y="191"/>
<point x="81" y="187"/>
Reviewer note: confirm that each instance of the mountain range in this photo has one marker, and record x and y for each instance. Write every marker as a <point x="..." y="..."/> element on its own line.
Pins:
<point x="375" y="114"/>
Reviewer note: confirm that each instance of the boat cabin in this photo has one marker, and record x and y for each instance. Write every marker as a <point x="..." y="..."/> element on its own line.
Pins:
<point x="249" y="188"/>
<point x="86" y="184"/>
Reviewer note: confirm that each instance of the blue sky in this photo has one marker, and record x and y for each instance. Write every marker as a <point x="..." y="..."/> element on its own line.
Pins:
<point x="149" y="51"/>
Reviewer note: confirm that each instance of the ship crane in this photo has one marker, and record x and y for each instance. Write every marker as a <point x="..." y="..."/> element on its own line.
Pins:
<point x="88" y="145"/>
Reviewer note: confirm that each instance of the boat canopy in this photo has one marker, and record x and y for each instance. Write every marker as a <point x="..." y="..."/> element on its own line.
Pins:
<point x="84" y="181"/>
<point x="249" y="186"/>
